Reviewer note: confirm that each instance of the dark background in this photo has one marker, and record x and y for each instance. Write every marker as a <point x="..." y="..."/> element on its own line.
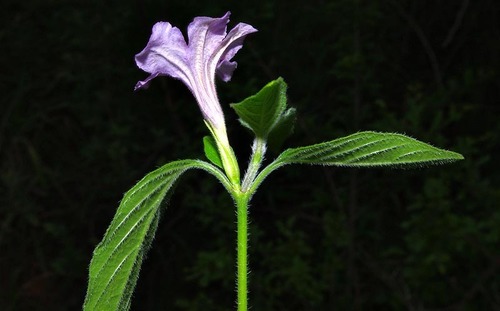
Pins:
<point x="74" y="137"/>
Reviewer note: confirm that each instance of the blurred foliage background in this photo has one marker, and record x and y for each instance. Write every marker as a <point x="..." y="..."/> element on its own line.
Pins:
<point x="74" y="137"/>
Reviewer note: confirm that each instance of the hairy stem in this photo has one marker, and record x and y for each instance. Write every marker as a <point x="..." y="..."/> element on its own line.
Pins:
<point x="258" y="152"/>
<point x="242" y="261"/>
<point x="242" y="197"/>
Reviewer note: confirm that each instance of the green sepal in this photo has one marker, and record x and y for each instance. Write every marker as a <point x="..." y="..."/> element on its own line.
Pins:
<point x="116" y="262"/>
<point x="211" y="152"/>
<point x="263" y="111"/>
<point x="369" y="149"/>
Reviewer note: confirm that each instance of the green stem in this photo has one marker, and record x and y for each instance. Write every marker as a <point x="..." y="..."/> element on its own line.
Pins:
<point x="258" y="152"/>
<point x="242" y="261"/>
<point x="242" y="196"/>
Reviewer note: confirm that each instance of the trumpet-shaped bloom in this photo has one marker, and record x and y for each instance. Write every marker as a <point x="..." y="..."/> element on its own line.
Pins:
<point x="209" y="50"/>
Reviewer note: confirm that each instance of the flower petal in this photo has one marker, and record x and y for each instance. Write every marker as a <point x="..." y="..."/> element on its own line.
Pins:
<point x="209" y="50"/>
<point x="165" y="54"/>
<point x="145" y="84"/>
<point x="205" y="35"/>
<point x="233" y="43"/>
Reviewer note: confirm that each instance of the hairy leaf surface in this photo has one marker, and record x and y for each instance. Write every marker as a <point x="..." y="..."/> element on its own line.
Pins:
<point x="369" y="149"/>
<point x="117" y="259"/>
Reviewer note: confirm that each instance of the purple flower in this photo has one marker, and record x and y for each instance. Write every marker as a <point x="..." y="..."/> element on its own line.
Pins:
<point x="209" y="51"/>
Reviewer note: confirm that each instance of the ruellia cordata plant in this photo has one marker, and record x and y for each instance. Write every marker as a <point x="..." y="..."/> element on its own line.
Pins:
<point x="209" y="50"/>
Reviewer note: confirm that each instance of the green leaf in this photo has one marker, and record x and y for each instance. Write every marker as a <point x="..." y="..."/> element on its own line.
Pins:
<point x="262" y="111"/>
<point x="115" y="266"/>
<point x="282" y="129"/>
<point x="211" y="152"/>
<point x="369" y="149"/>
